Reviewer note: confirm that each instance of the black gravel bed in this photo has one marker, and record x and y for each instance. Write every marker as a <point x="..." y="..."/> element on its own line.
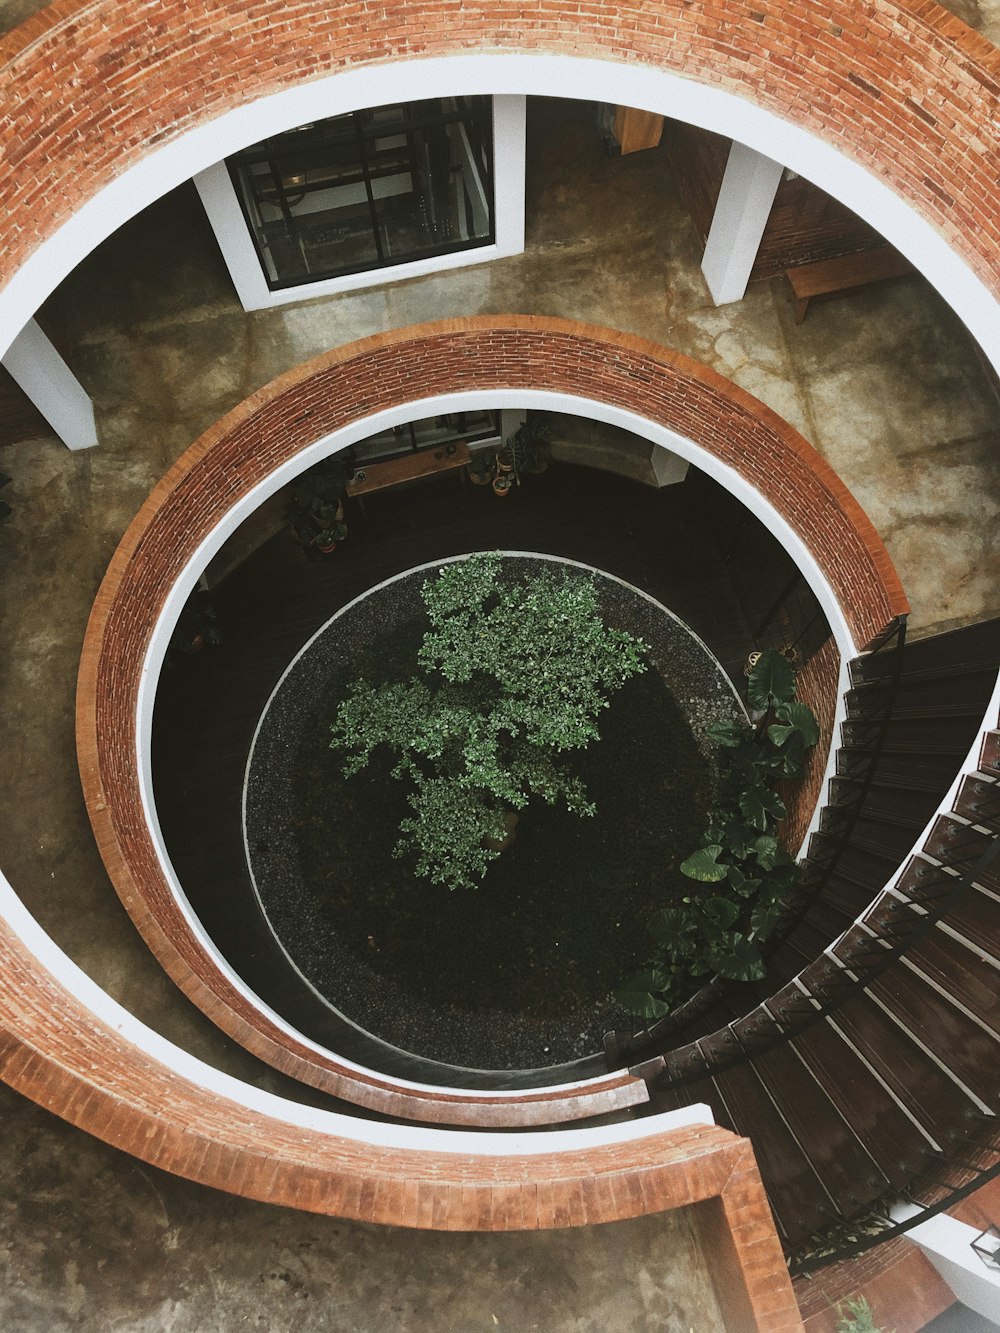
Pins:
<point x="517" y="973"/>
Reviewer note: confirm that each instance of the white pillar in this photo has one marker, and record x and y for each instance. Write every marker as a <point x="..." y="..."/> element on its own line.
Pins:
<point x="668" y="468"/>
<point x="219" y="198"/>
<point x="947" y="1243"/>
<point x="38" y="369"/>
<point x="511" y="418"/>
<point x="741" y="213"/>
<point x="508" y="173"/>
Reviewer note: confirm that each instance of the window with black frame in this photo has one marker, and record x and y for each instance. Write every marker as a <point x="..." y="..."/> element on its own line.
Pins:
<point x="373" y="188"/>
<point x="471" y="426"/>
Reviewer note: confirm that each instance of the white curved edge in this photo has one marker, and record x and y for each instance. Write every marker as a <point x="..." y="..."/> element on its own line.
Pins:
<point x="429" y="567"/>
<point x="627" y="83"/>
<point x="398" y="415"/>
<point x="839" y="718"/>
<point x="471" y="1143"/>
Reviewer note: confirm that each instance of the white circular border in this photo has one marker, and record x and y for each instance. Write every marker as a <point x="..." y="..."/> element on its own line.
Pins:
<point x="340" y="439"/>
<point x="431" y="565"/>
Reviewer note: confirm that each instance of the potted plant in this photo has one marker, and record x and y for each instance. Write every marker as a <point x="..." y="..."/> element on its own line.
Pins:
<point x="196" y="626"/>
<point x="528" y="447"/>
<point x="316" y="508"/>
<point x="526" y="452"/>
<point x="320" y="527"/>
<point x="503" y="481"/>
<point x="482" y="467"/>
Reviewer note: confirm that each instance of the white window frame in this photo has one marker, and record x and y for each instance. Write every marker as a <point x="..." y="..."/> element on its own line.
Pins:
<point x="221" y="203"/>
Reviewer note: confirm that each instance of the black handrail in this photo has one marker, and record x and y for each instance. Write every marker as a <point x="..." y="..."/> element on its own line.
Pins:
<point x="954" y="1194"/>
<point x="890" y="928"/>
<point x="619" y="1045"/>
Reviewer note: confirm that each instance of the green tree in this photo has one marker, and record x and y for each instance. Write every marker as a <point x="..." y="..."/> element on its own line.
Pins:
<point x="513" y="673"/>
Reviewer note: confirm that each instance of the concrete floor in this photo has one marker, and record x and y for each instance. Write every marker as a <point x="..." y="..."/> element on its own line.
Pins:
<point x="93" y="1240"/>
<point x="885" y="384"/>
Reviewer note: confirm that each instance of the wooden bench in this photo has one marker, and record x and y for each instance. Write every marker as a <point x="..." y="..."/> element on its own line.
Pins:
<point x="830" y="276"/>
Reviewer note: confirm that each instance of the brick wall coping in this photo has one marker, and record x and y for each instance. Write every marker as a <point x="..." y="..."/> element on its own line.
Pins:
<point x="240" y="454"/>
<point x="878" y="103"/>
<point x="69" y="1047"/>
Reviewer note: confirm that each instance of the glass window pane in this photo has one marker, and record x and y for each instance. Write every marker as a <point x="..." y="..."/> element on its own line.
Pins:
<point x="372" y="188"/>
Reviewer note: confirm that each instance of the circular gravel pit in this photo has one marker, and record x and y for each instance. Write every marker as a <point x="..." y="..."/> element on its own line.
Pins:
<point x="518" y="972"/>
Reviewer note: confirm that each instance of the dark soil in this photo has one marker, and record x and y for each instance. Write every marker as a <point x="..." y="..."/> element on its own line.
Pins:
<point x="559" y="918"/>
<point x="517" y="972"/>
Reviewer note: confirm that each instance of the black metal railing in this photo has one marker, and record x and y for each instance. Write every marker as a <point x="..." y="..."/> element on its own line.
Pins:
<point x="945" y="1195"/>
<point x="890" y="928"/>
<point x="855" y="769"/>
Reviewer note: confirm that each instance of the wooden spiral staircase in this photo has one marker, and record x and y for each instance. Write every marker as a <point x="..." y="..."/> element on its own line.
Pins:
<point x="867" y="1065"/>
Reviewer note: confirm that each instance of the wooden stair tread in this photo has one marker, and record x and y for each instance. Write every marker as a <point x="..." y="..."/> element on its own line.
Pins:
<point x="961" y="973"/>
<point x="976" y="916"/>
<point x="890" y="1137"/>
<point x="971" y="1054"/>
<point x="978" y="801"/>
<point x="834" y="1149"/>
<point x="949" y="653"/>
<point x="924" y="1089"/>
<point x="798" y="1199"/>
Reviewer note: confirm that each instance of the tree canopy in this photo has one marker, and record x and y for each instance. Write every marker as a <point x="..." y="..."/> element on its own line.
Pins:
<point x="513" y="673"/>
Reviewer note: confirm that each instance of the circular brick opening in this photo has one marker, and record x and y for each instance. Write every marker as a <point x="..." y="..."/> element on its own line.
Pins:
<point x="308" y="411"/>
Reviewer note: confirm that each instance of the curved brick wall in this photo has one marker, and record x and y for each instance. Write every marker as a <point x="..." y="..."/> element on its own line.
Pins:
<point x="303" y="406"/>
<point x="911" y="93"/>
<point x="55" y="1051"/>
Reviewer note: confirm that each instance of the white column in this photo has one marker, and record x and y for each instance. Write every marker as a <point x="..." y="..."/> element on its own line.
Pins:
<point x="668" y="468"/>
<point x="38" y="369"/>
<point x="511" y="418"/>
<point x="741" y="213"/>
<point x="218" y="196"/>
<point x="508" y="173"/>
<point x="947" y="1243"/>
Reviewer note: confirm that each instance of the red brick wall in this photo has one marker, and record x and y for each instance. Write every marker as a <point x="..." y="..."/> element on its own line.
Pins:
<point x="55" y="1051"/>
<point x="308" y="403"/>
<point x="816" y="685"/>
<point x="89" y="85"/>
<point x="905" y="1291"/>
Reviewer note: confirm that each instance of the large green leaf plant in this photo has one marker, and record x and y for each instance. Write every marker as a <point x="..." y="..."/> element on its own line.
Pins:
<point x="742" y="879"/>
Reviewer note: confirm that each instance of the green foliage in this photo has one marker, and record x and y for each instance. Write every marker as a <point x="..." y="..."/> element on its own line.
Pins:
<point x="527" y="450"/>
<point x="513" y="675"/>
<point x="772" y="681"/>
<point x="720" y="929"/>
<point x="703" y="865"/>
<point x="314" y="504"/>
<point x="482" y="464"/>
<point x="855" y="1316"/>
